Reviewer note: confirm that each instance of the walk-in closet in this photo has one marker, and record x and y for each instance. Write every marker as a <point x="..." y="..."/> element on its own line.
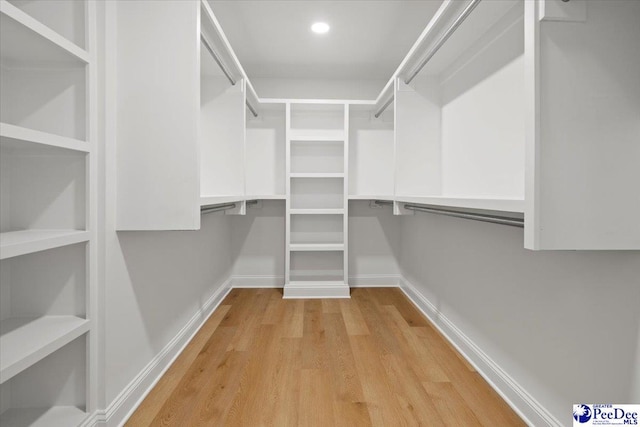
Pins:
<point x="331" y="213"/>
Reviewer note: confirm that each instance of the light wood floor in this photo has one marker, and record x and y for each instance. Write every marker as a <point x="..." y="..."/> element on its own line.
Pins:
<point x="371" y="360"/>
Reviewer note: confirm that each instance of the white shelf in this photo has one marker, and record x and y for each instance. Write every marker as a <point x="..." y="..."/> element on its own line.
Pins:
<point x="267" y="197"/>
<point x="317" y="211"/>
<point x="370" y="197"/>
<point x="317" y="175"/>
<point x="25" y="341"/>
<point x="18" y="137"/>
<point x="491" y="204"/>
<point x="26" y="40"/>
<point x="295" y="247"/>
<point x="57" y="416"/>
<point x="316" y="135"/>
<point x="15" y="243"/>
<point x="216" y="200"/>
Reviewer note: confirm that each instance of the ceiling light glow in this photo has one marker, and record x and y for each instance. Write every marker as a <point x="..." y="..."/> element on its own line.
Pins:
<point x="320" y="28"/>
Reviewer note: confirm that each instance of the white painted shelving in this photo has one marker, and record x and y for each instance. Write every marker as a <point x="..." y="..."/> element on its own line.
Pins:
<point x="25" y="341"/>
<point x="20" y="138"/>
<point x="56" y="416"/>
<point x="317" y="187"/>
<point x="26" y="40"/>
<point x="48" y="212"/>
<point x="317" y="211"/>
<point x="319" y="247"/>
<point x="22" y="242"/>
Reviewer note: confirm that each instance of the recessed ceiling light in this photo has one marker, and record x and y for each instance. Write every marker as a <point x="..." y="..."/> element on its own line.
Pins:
<point x="320" y="28"/>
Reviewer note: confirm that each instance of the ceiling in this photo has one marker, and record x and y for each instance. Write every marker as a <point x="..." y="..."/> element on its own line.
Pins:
<point x="368" y="39"/>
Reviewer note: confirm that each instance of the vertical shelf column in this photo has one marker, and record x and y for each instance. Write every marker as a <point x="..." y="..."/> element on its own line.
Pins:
<point x="317" y="147"/>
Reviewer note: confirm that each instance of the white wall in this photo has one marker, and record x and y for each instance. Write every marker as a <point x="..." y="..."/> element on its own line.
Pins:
<point x="155" y="283"/>
<point x="564" y="325"/>
<point x="257" y="247"/>
<point x="314" y="88"/>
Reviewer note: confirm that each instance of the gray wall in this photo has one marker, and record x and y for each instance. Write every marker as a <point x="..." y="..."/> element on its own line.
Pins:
<point x="564" y="325"/>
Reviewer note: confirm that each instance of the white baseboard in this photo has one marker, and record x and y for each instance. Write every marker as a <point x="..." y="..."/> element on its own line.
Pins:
<point x="128" y="400"/>
<point x="357" y="281"/>
<point x="257" y="281"/>
<point x="532" y="412"/>
<point x="316" y="290"/>
<point x="375" y="281"/>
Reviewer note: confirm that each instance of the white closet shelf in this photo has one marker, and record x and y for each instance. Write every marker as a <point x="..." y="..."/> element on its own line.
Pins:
<point x="492" y="204"/>
<point x="317" y="211"/>
<point x="316" y="135"/>
<point x="216" y="200"/>
<point x="27" y="340"/>
<point x="18" y="137"/>
<point x="295" y="247"/>
<point x="370" y="197"/>
<point x="317" y="175"/>
<point x="267" y="197"/>
<point x="56" y="416"/>
<point x="26" y="41"/>
<point x="22" y="242"/>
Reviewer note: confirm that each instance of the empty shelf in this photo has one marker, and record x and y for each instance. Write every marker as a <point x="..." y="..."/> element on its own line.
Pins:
<point x="56" y="416"/>
<point x="17" y="137"/>
<point x="25" y="341"/>
<point x="316" y="135"/>
<point x="317" y="211"/>
<point x="26" y="41"/>
<point x="317" y="175"/>
<point x="316" y="246"/>
<point x="15" y="243"/>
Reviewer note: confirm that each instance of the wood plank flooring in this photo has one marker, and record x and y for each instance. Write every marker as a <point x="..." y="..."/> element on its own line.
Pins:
<point x="373" y="360"/>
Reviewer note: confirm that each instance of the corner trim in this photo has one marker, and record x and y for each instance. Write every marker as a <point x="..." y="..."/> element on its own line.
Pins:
<point x="525" y="405"/>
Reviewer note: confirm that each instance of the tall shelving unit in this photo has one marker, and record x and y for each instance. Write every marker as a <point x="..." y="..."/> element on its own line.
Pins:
<point x="48" y="258"/>
<point x="317" y="205"/>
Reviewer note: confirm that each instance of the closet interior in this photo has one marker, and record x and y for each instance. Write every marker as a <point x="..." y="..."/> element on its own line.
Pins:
<point x="491" y="116"/>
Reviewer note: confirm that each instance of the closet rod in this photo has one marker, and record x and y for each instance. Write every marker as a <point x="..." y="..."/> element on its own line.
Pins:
<point x="383" y="202"/>
<point x="384" y="107"/>
<point x="459" y="20"/>
<point x="218" y="60"/>
<point x="225" y="70"/>
<point x="217" y="208"/>
<point x="253" y="111"/>
<point x="514" y="222"/>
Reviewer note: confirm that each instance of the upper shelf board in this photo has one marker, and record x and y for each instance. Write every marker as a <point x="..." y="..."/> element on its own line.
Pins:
<point x="25" y="41"/>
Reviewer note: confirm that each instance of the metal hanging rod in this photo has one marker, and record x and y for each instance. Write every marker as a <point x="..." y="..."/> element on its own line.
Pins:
<point x="225" y="70"/>
<point x="514" y="222"/>
<point x="459" y="20"/>
<point x="252" y="202"/>
<point x="217" y="208"/>
<point x="218" y="60"/>
<point x="384" y="106"/>
<point x="253" y="111"/>
<point x="383" y="202"/>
